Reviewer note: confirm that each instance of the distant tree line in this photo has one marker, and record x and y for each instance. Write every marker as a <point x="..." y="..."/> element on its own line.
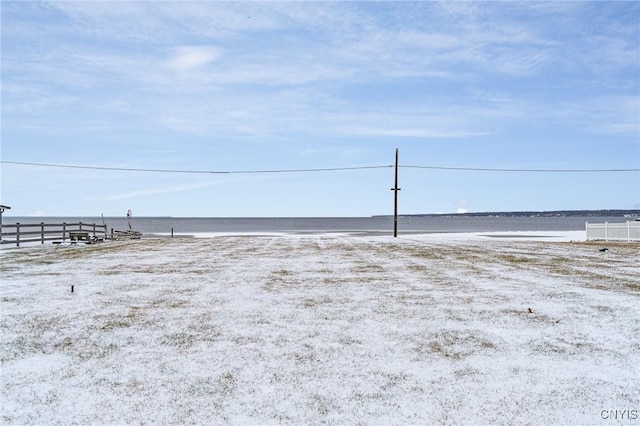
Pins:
<point x="551" y="213"/>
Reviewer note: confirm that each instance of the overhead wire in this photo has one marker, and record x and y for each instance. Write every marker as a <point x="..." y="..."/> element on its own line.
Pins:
<point x="129" y="169"/>
<point x="323" y="169"/>
<point x="487" y="169"/>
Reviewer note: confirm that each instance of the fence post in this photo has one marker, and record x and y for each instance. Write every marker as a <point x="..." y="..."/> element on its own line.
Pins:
<point x="94" y="230"/>
<point x="628" y="231"/>
<point x="41" y="232"/>
<point x="17" y="234"/>
<point x="64" y="231"/>
<point x="79" y="226"/>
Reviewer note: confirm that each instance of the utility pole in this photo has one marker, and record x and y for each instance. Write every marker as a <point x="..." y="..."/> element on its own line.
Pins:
<point x="395" y="190"/>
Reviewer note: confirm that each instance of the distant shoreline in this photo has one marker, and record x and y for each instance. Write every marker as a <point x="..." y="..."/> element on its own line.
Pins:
<point x="633" y="213"/>
<point x="622" y="213"/>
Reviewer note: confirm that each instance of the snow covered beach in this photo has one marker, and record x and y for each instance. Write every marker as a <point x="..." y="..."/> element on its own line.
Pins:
<point x="309" y="329"/>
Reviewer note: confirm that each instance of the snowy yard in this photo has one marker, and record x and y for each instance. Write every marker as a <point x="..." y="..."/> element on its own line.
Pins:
<point x="335" y="329"/>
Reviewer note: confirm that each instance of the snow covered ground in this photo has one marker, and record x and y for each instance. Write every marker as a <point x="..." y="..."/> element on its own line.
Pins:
<point x="322" y="329"/>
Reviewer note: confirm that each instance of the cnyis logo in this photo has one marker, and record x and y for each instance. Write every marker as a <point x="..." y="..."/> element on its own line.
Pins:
<point x="619" y="414"/>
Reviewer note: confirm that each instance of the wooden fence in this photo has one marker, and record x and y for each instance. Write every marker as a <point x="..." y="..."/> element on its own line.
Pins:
<point x="41" y="232"/>
<point x="627" y="231"/>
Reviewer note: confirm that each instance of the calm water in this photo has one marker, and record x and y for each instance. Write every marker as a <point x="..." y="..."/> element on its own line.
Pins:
<point x="151" y="225"/>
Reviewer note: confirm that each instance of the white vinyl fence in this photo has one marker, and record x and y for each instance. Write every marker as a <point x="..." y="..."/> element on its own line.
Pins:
<point x="627" y="231"/>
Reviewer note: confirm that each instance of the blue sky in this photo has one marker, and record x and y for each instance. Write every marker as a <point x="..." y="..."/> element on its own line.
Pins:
<point x="230" y="86"/>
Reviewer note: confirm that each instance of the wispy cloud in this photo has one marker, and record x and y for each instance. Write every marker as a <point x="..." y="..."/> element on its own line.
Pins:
<point x="257" y="46"/>
<point x="423" y="133"/>
<point x="218" y="82"/>
<point x="189" y="58"/>
<point x="172" y="189"/>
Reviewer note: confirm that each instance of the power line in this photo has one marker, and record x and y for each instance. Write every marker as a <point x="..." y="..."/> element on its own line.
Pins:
<point x="485" y="169"/>
<point x="325" y="169"/>
<point x="127" y="169"/>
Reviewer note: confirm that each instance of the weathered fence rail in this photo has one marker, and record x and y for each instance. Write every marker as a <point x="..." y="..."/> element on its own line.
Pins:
<point x="627" y="231"/>
<point x="40" y="232"/>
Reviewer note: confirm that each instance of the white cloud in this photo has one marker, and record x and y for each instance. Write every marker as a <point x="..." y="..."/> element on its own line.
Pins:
<point x="411" y="132"/>
<point x="224" y="77"/>
<point x="462" y="207"/>
<point x="163" y="190"/>
<point x="189" y="58"/>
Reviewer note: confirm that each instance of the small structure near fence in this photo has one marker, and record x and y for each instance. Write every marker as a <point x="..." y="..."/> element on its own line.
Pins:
<point x="627" y="231"/>
<point x="41" y="232"/>
<point x="2" y="209"/>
